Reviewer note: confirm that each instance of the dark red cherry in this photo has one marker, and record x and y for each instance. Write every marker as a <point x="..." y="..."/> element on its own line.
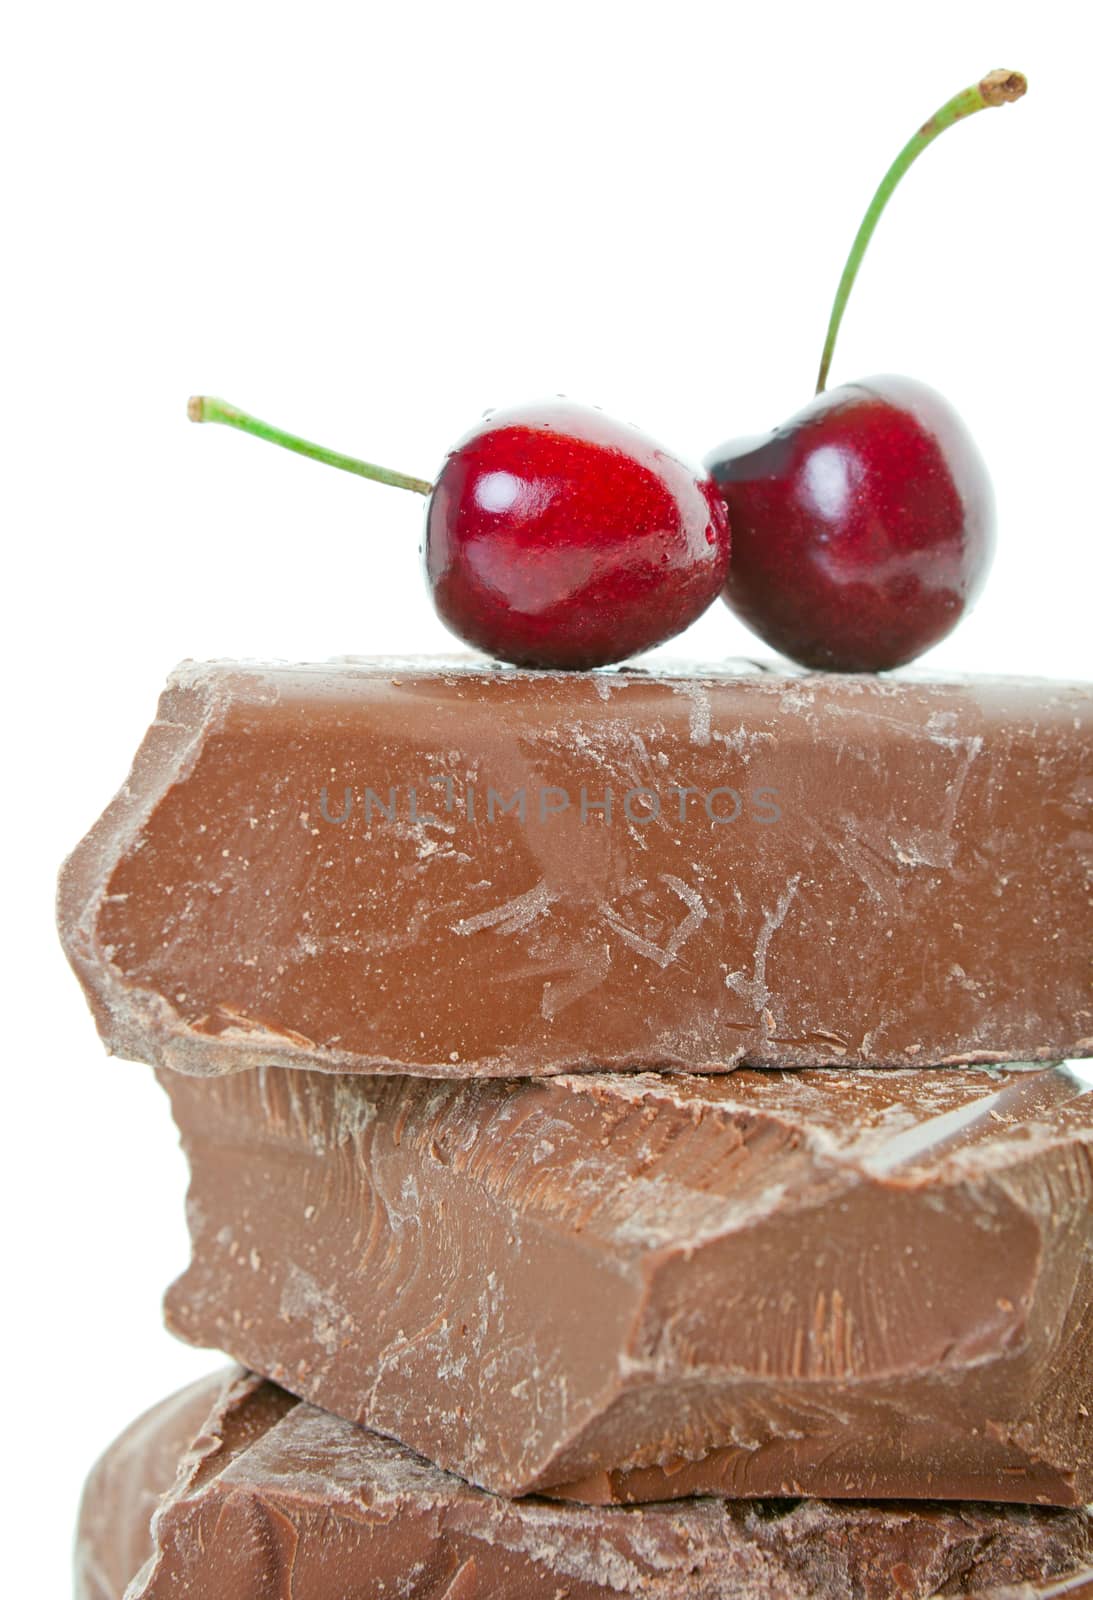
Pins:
<point x="862" y="529"/>
<point x="556" y="537"/>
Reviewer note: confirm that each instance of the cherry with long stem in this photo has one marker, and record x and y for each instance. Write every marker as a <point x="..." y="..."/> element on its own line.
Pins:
<point x="996" y="89"/>
<point x="862" y="528"/>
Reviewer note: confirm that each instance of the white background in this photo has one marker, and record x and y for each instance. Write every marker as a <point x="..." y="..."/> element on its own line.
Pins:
<point x="369" y="223"/>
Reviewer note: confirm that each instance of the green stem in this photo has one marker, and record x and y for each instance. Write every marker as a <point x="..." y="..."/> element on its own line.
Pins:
<point x="202" y="408"/>
<point x="994" y="90"/>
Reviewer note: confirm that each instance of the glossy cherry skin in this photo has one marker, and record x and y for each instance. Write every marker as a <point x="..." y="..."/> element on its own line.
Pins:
<point x="862" y="529"/>
<point x="556" y="537"/>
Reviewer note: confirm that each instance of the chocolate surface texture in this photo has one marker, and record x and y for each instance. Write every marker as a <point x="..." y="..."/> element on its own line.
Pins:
<point x="274" y="1499"/>
<point x="451" y="871"/>
<point x="641" y="1287"/>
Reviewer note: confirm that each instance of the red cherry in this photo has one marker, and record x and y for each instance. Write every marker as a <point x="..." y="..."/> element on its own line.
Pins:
<point x="862" y="529"/>
<point x="556" y="537"/>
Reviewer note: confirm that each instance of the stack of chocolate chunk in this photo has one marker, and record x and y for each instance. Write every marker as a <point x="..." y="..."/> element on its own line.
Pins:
<point x="630" y="1151"/>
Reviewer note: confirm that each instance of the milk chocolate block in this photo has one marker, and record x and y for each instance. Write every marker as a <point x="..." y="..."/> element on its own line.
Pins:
<point x="638" y="1287"/>
<point x="450" y="871"/>
<point x="272" y="1498"/>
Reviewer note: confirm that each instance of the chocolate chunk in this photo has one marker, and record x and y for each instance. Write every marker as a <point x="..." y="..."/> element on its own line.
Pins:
<point x="867" y="1284"/>
<point x="420" y="869"/>
<point x="274" y="1498"/>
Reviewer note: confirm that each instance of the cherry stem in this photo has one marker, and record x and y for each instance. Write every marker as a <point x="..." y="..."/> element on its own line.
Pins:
<point x="203" y="408"/>
<point x="994" y="90"/>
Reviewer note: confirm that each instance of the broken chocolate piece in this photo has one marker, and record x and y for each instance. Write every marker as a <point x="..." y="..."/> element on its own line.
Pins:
<point x="450" y="871"/>
<point x="274" y="1498"/>
<point x="865" y="1284"/>
<point x="125" y="1488"/>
